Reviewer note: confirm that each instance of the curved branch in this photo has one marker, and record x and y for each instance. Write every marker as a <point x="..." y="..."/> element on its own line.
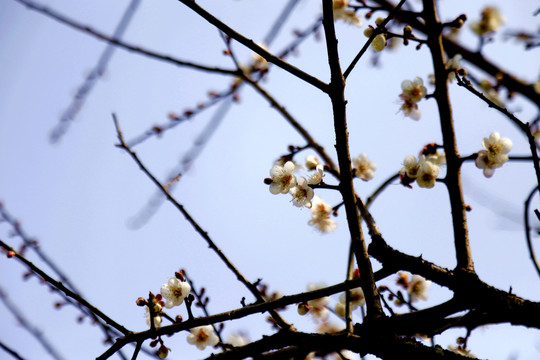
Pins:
<point x="250" y="44"/>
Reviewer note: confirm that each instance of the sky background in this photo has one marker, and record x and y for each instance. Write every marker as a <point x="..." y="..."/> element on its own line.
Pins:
<point x="80" y="197"/>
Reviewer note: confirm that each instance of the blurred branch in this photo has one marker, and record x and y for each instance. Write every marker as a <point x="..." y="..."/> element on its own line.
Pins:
<point x="25" y="323"/>
<point x="86" y="29"/>
<point x="84" y="90"/>
<point x="58" y="285"/>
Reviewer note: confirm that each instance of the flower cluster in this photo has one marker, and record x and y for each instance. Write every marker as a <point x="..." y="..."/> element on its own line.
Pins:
<point x="320" y="216"/>
<point x="494" y="154"/>
<point x="491" y="20"/>
<point x="284" y="181"/>
<point x="342" y="12"/>
<point x="379" y="41"/>
<point x="363" y="168"/>
<point x="413" y="92"/>
<point x="423" y="170"/>
<point x="203" y="336"/>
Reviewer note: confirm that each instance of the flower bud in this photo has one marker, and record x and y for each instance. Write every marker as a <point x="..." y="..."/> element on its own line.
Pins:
<point x="303" y="308"/>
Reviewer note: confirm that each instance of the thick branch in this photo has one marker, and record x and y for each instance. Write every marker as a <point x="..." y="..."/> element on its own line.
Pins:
<point x="250" y="44"/>
<point x="337" y="96"/>
<point x="453" y="177"/>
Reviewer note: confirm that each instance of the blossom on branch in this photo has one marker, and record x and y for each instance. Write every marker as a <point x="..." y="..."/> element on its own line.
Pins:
<point x="311" y="162"/>
<point x="316" y="178"/>
<point x="418" y="288"/>
<point x="363" y="168"/>
<point x="174" y="292"/>
<point x="424" y="170"/>
<point x="412" y="92"/>
<point x="320" y="216"/>
<point x="203" y="336"/>
<point x="282" y="178"/>
<point x="317" y="307"/>
<point x="343" y="13"/>
<point x="490" y="22"/>
<point x="356" y="299"/>
<point x="495" y="153"/>
<point x="452" y="65"/>
<point x="302" y="194"/>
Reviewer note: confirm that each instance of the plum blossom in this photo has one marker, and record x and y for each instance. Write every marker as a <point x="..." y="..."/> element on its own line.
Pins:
<point x="174" y="292"/>
<point x="343" y="13"/>
<point x="452" y="65"/>
<point x="316" y="178"/>
<point x="412" y="92"/>
<point x="495" y="153"/>
<point x="418" y="288"/>
<point x="282" y="178"/>
<point x="356" y="298"/>
<point x="302" y="193"/>
<point x="311" y="162"/>
<point x="202" y="337"/>
<point x="379" y="42"/>
<point x="363" y="167"/>
<point x="317" y="307"/>
<point x="424" y="170"/>
<point x="427" y="174"/>
<point x="320" y="215"/>
<point x="490" y="22"/>
<point x="157" y="317"/>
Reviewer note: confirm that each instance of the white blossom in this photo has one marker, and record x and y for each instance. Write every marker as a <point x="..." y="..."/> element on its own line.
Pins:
<point x="282" y="178"/>
<point x="302" y="193"/>
<point x="427" y="174"/>
<point x="341" y="12"/>
<point x="317" y="307"/>
<point x="174" y="292"/>
<point x="356" y="299"/>
<point x="414" y="90"/>
<point x="495" y="153"/>
<point x="490" y="22"/>
<point x="452" y="65"/>
<point x="316" y="178"/>
<point x="311" y="162"/>
<point x="418" y="288"/>
<point x="320" y="215"/>
<point x="364" y="168"/>
<point x="379" y="42"/>
<point x="202" y="337"/>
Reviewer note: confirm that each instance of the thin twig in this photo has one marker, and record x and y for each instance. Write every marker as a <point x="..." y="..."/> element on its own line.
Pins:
<point x="254" y="47"/>
<point x="251" y="287"/>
